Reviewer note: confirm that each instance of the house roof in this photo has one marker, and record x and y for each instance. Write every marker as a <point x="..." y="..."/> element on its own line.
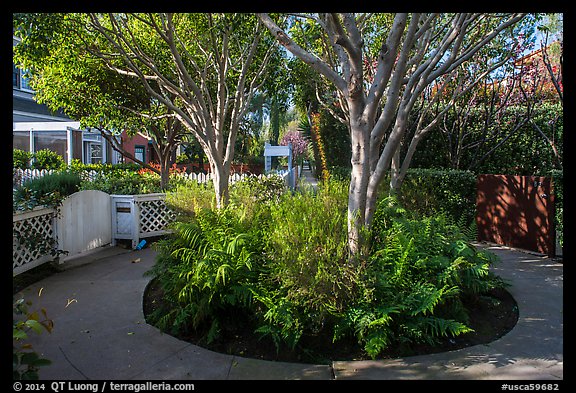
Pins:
<point x="22" y="104"/>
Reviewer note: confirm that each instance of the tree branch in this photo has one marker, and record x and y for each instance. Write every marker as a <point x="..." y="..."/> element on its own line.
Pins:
<point x="302" y="54"/>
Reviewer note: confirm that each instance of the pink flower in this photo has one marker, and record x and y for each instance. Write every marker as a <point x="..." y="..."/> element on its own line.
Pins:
<point x="299" y="143"/>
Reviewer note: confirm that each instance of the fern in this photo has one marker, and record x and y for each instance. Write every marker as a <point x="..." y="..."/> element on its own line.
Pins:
<point x="284" y="267"/>
<point x="375" y="344"/>
<point x="469" y="230"/>
<point x="425" y="297"/>
<point x="282" y="323"/>
<point x="207" y="266"/>
<point x="440" y="327"/>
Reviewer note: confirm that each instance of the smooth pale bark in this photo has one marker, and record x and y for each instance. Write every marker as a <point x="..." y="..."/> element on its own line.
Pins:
<point x="360" y="135"/>
<point x="419" y="48"/>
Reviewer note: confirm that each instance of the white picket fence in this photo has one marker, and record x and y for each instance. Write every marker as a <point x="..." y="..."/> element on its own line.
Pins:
<point x="20" y="176"/>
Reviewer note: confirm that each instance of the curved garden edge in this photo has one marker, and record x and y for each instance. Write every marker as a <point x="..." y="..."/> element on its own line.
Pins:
<point x="494" y="317"/>
<point x="150" y="354"/>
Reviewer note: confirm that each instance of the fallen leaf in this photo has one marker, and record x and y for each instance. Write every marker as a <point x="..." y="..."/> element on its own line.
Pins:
<point x="136" y="260"/>
<point x="70" y="301"/>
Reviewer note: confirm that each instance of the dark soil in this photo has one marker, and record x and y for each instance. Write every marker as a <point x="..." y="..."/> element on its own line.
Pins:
<point x="491" y="317"/>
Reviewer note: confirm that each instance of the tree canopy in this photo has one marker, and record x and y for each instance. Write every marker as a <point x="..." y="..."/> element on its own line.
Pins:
<point x="199" y="69"/>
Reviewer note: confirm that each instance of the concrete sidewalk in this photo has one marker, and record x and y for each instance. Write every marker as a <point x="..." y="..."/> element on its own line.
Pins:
<point x="307" y="179"/>
<point x="100" y="332"/>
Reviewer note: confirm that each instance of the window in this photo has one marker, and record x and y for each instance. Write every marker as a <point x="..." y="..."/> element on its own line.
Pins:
<point x="51" y="140"/>
<point x="24" y="82"/>
<point x="139" y="153"/>
<point x="95" y="153"/>
<point x="92" y="152"/>
<point x="21" y="140"/>
<point x="19" y="79"/>
<point x="15" y="77"/>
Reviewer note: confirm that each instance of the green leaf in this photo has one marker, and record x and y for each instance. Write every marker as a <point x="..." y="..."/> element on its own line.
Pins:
<point x="29" y="358"/>
<point x="18" y="334"/>
<point x="42" y="362"/>
<point x="34" y="325"/>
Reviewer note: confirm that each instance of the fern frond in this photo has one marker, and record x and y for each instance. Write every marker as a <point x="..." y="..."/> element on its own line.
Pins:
<point x="426" y="297"/>
<point x="440" y="327"/>
<point x="221" y="273"/>
<point x="376" y="344"/>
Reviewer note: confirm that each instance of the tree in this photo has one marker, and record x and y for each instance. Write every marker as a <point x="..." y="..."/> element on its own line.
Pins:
<point x="413" y="51"/>
<point x="65" y="75"/>
<point x="552" y="54"/>
<point x="204" y="68"/>
<point x="499" y="125"/>
<point x="200" y="69"/>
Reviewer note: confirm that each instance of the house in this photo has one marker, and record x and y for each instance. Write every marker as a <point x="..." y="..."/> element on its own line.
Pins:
<point x="140" y="145"/>
<point x="36" y="127"/>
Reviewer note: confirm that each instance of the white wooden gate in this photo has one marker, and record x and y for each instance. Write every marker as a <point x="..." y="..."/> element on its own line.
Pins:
<point x="84" y="222"/>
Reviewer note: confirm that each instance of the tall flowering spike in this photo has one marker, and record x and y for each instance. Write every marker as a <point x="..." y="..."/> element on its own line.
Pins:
<point x="315" y="130"/>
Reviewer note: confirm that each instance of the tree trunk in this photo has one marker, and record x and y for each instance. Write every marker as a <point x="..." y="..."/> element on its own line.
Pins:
<point x="360" y="141"/>
<point x="398" y="176"/>
<point x="220" y="176"/>
<point x="164" y="172"/>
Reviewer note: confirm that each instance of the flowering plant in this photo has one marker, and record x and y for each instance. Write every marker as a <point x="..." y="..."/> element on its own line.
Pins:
<point x="299" y="144"/>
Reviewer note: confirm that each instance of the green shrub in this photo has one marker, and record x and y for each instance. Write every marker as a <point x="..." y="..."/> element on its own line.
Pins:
<point x="64" y="183"/>
<point x="207" y="269"/>
<point x="419" y="272"/>
<point x="558" y="184"/>
<point x="123" y="182"/>
<point x="283" y="269"/>
<point x="47" y="159"/>
<point x="78" y="166"/>
<point x="430" y="191"/>
<point x="183" y="159"/>
<point x="187" y="198"/>
<point x="307" y="245"/>
<point x="310" y="278"/>
<point x="340" y="172"/>
<point x="256" y="189"/>
<point x="21" y="159"/>
<point x="25" y="361"/>
<point x="48" y="190"/>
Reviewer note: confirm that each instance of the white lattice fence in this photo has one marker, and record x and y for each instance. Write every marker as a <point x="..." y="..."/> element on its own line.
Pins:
<point x="32" y="235"/>
<point x="139" y="216"/>
<point x="154" y="214"/>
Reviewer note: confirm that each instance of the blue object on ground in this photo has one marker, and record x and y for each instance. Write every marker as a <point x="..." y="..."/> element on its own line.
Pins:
<point x="141" y="245"/>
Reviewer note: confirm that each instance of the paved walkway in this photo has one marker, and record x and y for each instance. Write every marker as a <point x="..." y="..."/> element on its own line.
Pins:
<point x="307" y="179"/>
<point x="100" y="332"/>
